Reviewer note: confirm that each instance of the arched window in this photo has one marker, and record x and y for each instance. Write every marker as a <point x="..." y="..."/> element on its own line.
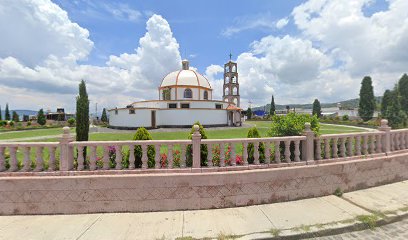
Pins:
<point x="188" y="93"/>
<point x="205" y="95"/>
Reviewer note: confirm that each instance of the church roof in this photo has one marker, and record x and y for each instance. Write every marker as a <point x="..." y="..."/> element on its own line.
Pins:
<point x="185" y="77"/>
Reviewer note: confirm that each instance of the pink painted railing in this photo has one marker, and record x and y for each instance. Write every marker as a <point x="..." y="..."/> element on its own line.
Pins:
<point x="68" y="155"/>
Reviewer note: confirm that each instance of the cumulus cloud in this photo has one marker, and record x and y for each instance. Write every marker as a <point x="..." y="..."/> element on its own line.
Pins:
<point x="39" y="56"/>
<point x="282" y="23"/>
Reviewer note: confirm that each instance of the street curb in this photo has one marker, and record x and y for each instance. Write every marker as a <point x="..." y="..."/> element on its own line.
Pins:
<point x="346" y="229"/>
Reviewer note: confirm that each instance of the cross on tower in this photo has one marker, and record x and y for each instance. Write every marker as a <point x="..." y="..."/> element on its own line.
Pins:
<point x="230" y="55"/>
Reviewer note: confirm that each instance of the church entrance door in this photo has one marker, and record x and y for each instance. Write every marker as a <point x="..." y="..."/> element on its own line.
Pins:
<point x="153" y="119"/>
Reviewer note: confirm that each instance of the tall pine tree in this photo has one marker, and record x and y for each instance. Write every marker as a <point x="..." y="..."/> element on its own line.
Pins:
<point x="367" y="101"/>
<point x="1" y="115"/>
<point x="249" y="113"/>
<point x="397" y="118"/>
<point x="104" y="117"/>
<point x="82" y="114"/>
<point x="403" y="92"/>
<point x="41" y="117"/>
<point x="317" y="109"/>
<point x="16" y="118"/>
<point x="386" y="101"/>
<point x="273" y="107"/>
<point x="7" y="113"/>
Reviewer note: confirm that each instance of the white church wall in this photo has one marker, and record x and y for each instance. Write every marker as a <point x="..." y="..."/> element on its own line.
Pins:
<point x="181" y="117"/>
<point x="141" y="118"/>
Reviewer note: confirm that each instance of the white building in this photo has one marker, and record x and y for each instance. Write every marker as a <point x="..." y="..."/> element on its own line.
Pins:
<point x="185" y="96"/>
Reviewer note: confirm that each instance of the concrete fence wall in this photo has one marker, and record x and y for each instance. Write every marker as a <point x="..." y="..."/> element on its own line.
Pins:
<point x="276" y="169"/>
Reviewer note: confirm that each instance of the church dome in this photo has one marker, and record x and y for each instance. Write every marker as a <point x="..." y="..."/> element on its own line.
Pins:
<point x="185" y="77"/>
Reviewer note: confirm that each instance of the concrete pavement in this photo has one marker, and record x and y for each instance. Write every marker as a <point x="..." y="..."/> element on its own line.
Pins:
<point x="297" y="219"/>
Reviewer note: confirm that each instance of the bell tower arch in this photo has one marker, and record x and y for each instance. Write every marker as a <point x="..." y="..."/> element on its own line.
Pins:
<point x="231" y="84"/>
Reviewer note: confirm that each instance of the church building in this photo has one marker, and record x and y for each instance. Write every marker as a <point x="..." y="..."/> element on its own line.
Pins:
<point x="185" y="96"/>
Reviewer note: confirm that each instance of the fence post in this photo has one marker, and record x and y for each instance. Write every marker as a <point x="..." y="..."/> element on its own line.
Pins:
<point x="196" y="136"/>
<point x="66" y="155"/>
<point x="386" y="142"/>
<point x="308" y="144"/>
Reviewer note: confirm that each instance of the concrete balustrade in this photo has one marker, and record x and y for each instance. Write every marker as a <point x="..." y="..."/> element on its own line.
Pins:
<point x="69" y="155"/>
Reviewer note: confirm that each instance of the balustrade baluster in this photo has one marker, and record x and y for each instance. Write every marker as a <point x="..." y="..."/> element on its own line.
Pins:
<point x="13" y="159"/>
<point x="132" y="159"/>
<point x="402" y="140"/>
<point x="2" y="159"/>
<point x="39" y="159"/>
<point x="392" y="141"/>
<point x="105" y="158"/>
<point x="277" y="152"/>
<point x="287" y="151"/>
<point x="399" y="141"/>
<point x="144" y="156"/>
<point x="27" y="160"/>
<point x="343" y="147"/>
<point x="51" y="160"/>
<point x="256" y="153"/>
<point x="379" y="143"/>
<point x="365" y="144"/>
<point x="358" y="145"/>
<point x="222" y="154"/>
<point x="245" y="153"/>
<point x="406" y="139"/>
<point x="209" y="156"/>
<point x="118" y="157"/>
<point x="80" y="158"/>
<point x="318" y="152"/>
<point x="350" y="146"/>
<point x="92" y="158"/>
<point x="170" y="156"/>
<point x="183" y="156"/>
<point x="335" y="149"/>
<point x="372" y="144"/>
<point x="233" y="156"/>
<point x="297" y="151"/>
<point x="327" y="148"/>
<point x="267" y="152"/>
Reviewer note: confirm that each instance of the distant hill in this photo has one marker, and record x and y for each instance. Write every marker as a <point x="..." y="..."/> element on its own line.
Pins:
<point x="349" y="104"/>
<point x="20" y="112"/>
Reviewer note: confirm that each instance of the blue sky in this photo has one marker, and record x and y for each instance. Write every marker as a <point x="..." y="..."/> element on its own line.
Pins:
<point x="296" y="50"/>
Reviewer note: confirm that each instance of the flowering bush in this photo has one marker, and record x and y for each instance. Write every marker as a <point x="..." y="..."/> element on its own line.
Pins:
<point x="176" y="159"/>
<point x="227" y="160"/>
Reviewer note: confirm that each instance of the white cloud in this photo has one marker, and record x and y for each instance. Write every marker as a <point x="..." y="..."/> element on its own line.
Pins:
<point x="282" y="23"/>
<point x="263" y="22"/>
<point x="51" y="67"/>
<point x="216" y="79"/>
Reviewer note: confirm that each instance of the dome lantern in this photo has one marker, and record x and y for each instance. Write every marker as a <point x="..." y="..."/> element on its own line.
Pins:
<point x="185" y="64"/>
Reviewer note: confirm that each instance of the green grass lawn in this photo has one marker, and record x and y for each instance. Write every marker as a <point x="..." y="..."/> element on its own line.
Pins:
<point x="32" y="133"/>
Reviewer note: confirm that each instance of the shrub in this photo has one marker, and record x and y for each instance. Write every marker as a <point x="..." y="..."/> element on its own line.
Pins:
<point x="71" y="122"/>
<point x="41" y="117"/>
<point x="29" y="123"/>
<point x="141" y="134"/>
<point x="227" y="159"/>
<point x="3" y="123"/>
<point x="345" y="118"/>
<point x="203" y="148"/>
<point x="11" y="123"/>
<point x="253" y="133"/>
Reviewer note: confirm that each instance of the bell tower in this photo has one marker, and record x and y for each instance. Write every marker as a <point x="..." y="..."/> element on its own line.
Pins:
<point x="231" y="85"/>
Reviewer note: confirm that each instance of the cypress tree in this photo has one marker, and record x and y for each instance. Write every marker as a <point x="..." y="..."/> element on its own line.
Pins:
<point x="386" y="101"/>
<point x="403" y="92"/>
<point x="249" y="113"/>
<point x="1" y="116"/>
<point x="41" y="117"/>
<point x="7" y="113"/>
<point x="82" y="114"/>
<point x="16" y="118"/>
<point x="104" y="117"/>
<point x="367" y="101"/>
<point x="317" y="109"/>
<point x="396" y="116"/>
<point x="273" y="107"/>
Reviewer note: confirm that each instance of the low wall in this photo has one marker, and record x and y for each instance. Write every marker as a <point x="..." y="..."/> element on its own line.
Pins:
<point x="180" y="191"/>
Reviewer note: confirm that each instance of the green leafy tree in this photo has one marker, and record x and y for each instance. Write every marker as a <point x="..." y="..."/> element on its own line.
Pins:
<point x="386" y="101"/>
<point x="403" y="92"/>
<point x="16" y="118"/>
<point x="104" y="117"/>
<point x="41" y="117"/>
<point x="203" y="148"/>
<point x="273" y="107"/>
<point x="367" y="100"/>
<point x="317" y="109"/>
<point x="397" y="118"/>
<point x="254" y="133"/>
<point x="7" y="113"/>
<point x="249" y="113"/>
<point x="82" y="113"/>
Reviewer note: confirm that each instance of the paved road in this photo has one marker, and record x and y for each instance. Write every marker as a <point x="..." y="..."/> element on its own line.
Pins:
<point x="394" y="231"/>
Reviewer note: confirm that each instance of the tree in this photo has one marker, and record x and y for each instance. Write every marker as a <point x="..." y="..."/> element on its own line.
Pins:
<point x="317" y="109"/>
<point x="203" y="147"/>
<point x="249" y="113"/>
<point x="397" y="118"/>
<point x="367" y="100"/>
<point x="403" y="92"/>
<point x="273" y="107"/>
<point x="82" y="114"/>
<point x="41" y="117"/>
<point x="16" y="118"/>
<point x="104" y="117"/>
<point x="254" y="133"/>
<point x="7" y="113"/>
<point x="1" y="117"/>
<point x="143" y="134"/>
<point x="386" y="101"/>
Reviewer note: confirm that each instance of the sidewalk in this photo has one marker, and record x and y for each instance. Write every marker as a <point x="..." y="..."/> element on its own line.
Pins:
<point x="296" y="219"/>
